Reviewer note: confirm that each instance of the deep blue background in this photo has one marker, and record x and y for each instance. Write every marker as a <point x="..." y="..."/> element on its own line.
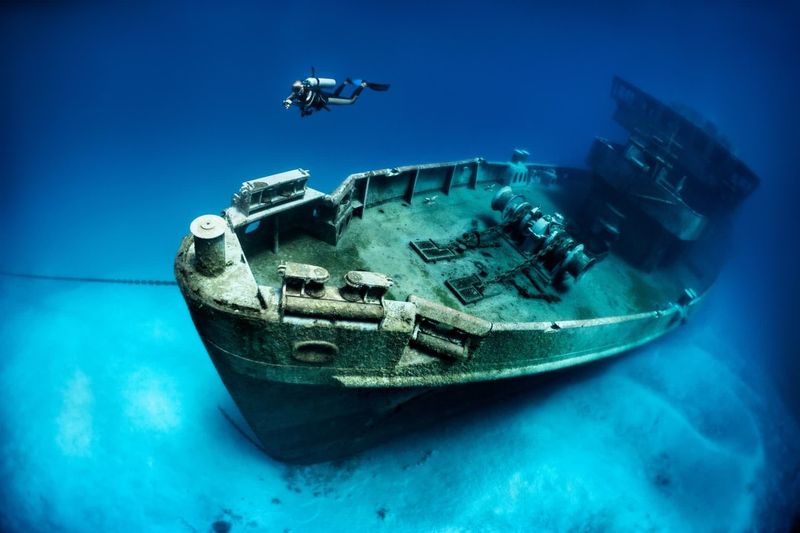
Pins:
<point x="121" y="123"/>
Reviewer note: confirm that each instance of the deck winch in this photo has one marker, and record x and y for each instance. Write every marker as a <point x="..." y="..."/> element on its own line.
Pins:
<point x="541" y="257"/>
<point x="542" y="234"/>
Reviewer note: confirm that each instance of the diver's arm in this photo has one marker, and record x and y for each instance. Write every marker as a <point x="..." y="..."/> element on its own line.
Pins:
<point x="287" y="103"/>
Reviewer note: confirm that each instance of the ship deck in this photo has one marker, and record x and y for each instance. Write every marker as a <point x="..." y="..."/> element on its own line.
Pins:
<point x="380" y="242"/>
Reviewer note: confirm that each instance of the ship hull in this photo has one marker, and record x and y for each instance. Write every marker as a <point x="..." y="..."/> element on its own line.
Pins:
<point x="307" y="424"/>
<point x="312" y="422"/>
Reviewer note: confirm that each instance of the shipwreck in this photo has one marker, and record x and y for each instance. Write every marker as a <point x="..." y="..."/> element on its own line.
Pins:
<point x="339" y="320"/>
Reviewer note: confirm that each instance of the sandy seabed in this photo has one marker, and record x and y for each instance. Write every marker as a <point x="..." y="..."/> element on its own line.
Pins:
<point x="111" y="421"/>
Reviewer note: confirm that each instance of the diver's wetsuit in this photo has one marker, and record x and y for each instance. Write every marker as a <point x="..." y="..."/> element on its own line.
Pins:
<point x="309" y="95"/>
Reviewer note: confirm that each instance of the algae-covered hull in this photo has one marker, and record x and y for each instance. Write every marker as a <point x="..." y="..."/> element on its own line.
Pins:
<point x="339" y="320"/>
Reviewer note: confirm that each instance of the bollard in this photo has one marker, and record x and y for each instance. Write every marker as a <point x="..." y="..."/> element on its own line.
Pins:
<point x="209" y="244"/>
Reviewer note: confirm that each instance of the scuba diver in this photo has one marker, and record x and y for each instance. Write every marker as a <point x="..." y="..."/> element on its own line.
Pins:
<point x="311" y="95"/>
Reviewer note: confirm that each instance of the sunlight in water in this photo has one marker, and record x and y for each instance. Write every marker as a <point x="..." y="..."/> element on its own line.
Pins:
<point x="151" y="402"/>
<point x="74" y="422"/>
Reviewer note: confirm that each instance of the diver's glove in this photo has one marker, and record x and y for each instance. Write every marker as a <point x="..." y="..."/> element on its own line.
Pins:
<point x="287" y="103"/>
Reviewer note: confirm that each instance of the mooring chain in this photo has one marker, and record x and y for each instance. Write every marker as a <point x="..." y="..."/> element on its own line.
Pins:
<point x="90" y="280"/>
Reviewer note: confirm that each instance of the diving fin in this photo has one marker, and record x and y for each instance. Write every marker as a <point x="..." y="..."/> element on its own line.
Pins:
<point x="377" y="86"/>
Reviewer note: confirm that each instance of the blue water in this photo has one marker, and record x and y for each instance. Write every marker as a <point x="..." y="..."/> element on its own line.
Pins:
<point x="121" y="123"/>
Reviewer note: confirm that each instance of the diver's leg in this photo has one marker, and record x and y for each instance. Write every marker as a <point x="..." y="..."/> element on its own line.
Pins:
<point x="336" y="97"/>
<point x="340" y="101"/>
<point x="334" y="100"/>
